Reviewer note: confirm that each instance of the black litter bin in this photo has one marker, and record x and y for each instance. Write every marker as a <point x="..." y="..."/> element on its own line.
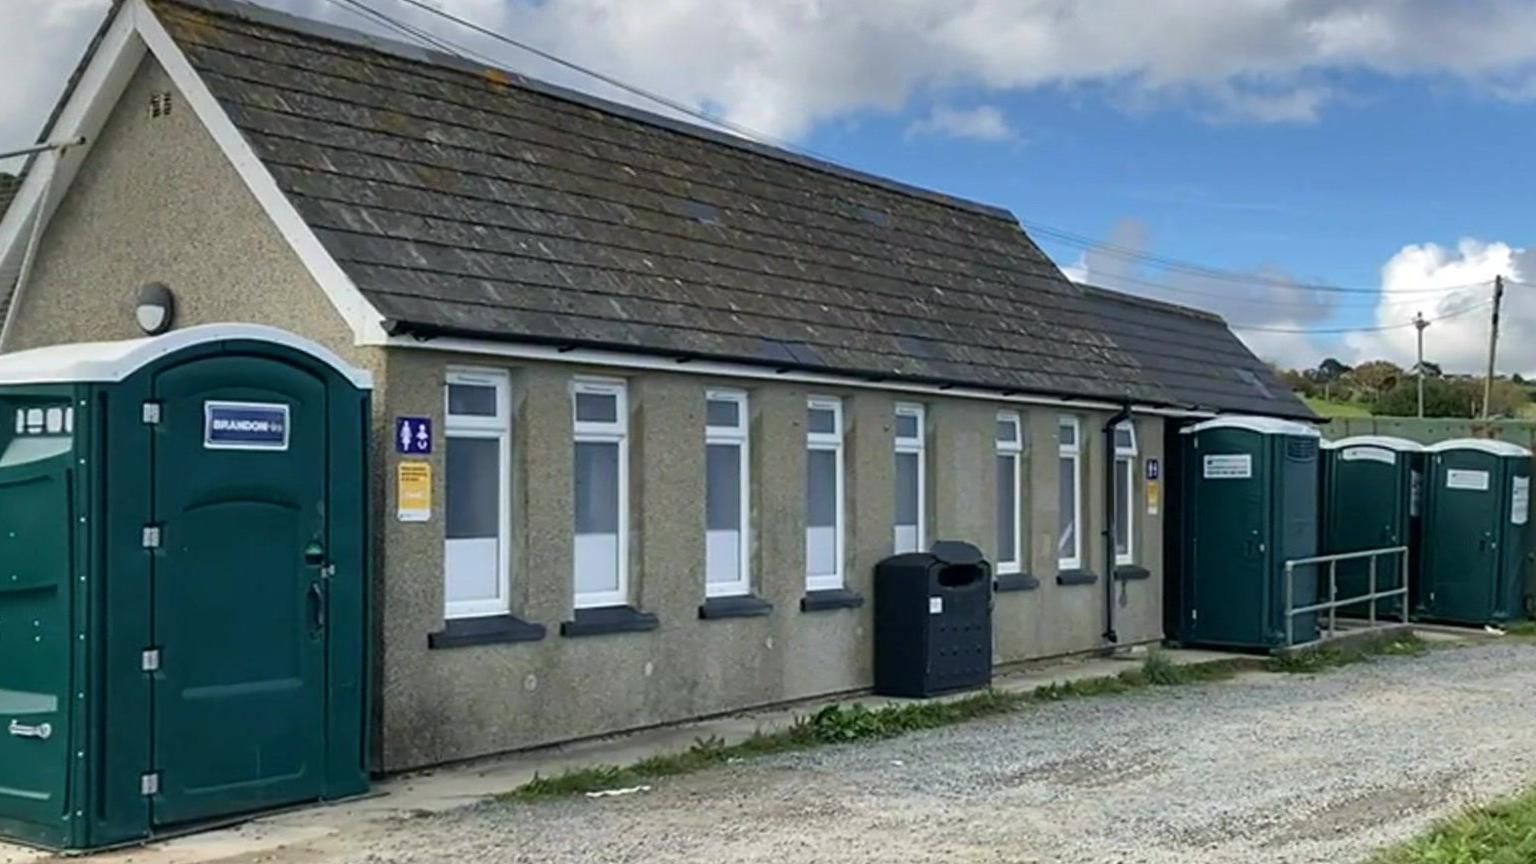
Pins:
<point x="933" y="621"/>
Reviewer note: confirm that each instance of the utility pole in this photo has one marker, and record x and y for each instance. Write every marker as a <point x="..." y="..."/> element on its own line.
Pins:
<point x="1493" y="342"/>
<point x="1419" y="323"/>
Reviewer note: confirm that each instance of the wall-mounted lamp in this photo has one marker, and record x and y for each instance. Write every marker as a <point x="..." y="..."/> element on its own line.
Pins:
<point x="156" y="309"/>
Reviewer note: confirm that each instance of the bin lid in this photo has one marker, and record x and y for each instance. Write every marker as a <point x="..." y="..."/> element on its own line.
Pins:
<point x="1261" y="425"/>
<point x="1487" y="445"/>
<point x="1390" y="442"/>
<point x="108" y="362"/>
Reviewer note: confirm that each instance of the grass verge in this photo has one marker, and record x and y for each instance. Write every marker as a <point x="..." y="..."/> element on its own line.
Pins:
<point x="1323" y="659"/>
<point x="841" y="724"/>
<point x="1502" y="833"/>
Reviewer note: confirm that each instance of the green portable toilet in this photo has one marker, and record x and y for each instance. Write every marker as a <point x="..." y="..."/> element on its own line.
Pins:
<point x="1370" y="488"/>
<point x="1477" y="495"/>
<point x="183" y="583"/>
<point x="1250" y="492"/>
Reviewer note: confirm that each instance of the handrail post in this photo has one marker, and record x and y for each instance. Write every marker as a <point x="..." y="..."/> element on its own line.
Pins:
<point x="1333" y="596"/>
<point x="1371" y="603"/>
<point x="1404" y="585"/>
<point x="1290" y="603"/>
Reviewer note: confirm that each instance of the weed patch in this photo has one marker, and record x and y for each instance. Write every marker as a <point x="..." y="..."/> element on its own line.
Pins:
<point x="844" y="724"/>
<point x="1503" y="833"/>
<point x="1324" y="659"/>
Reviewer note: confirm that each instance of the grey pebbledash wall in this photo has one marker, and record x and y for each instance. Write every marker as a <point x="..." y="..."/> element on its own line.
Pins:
<point x="455" y="703"/>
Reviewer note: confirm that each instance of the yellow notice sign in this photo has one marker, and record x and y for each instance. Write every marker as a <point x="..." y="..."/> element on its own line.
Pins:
<point x="1154" y="497"/>
<point x="414" y="492"/>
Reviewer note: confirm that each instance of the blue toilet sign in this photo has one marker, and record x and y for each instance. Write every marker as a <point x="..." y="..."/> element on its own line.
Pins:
<point x="413" y="436"/>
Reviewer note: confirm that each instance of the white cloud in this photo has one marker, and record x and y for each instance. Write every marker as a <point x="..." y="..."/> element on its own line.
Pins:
<point x="44" y="40"/>
<point x="783" y="66"/>
<point x="1452" y="287"/>
<point x="982" y="123"/>
<point x="1266" y="297"/>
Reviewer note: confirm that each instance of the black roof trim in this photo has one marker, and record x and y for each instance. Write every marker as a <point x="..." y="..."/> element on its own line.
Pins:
<point x="438" y="59"/>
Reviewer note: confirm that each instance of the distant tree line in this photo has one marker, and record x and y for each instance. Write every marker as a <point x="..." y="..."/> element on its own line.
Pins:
<point x="1390" y="390"/>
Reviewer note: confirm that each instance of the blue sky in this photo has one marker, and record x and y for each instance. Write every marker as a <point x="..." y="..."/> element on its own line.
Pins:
<point x="1378" y="145"/>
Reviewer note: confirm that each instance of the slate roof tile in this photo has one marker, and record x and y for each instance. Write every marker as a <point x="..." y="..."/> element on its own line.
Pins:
<point x="461" y="199"/>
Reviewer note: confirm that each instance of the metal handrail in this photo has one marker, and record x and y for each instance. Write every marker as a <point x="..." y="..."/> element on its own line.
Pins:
<point x="1332" y="604"/>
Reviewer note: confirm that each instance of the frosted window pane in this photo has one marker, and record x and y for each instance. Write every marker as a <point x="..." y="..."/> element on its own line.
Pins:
<point x="472" y="570"/>
<point x="821" y="488"/>
<point x="597" y="563"/>
<point x="1122" y="507"/>
<point x="906" y="539"/>
<point x="474" y="480"/>
<point x="907" y="489"/>
<point x="822" y="421"/>
<point x="906" y="426"/>
<point x="597" y="407"/>
<point x="1066" y="545"/>
<point x="471" y="400"/>
<point x="722" y="557"/>
<point x="821" y="551"/>
<point x="1068" y="435"/>
<point x="597" y="487"/>
<point x="1007" y="510"/>
<point x="724" y="413"/>
<point x="723" y="487"/>
<point x="1007" y="431"/>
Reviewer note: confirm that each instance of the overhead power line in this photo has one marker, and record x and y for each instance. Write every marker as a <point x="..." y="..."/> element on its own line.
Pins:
<point x="1089" y="244"/>
<point x="1058" y="234"/>
<point x="1320" y="331"/>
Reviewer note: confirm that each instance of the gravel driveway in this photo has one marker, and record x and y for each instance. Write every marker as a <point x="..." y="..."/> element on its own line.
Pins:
<point x="1264" y="768"/>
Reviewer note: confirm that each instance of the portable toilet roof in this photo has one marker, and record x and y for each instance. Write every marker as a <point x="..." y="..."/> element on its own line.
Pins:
<point x="1261" y="425"/>
<point x="1486" y="445"/>
<point x="1390" y="442"/>
<point x="108" y="362"/>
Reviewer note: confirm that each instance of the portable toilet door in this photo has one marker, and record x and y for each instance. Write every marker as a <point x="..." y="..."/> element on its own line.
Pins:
<point x="183" y="578"/>
<point x="1476" y="506"/>
<point x="1250" y="504"/>
<point x="1368" y="503"/>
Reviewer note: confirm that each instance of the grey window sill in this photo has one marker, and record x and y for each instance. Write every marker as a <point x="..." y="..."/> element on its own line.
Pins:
<point x="742" y="606"/>
<point x="1006" y="582"/>
<point x="837" y="598"/>
<point x="493" y="630"/>
<point x="1130" y="572"/>
<point x="608" y="620"/>
<point x="1076" y="577"/>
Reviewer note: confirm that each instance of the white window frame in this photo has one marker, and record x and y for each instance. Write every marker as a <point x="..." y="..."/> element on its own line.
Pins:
<point x="1015" y="449"/>
<point x="916" y="446"/>
<point x="615" y="432"/>
<point x="739" y="436"/>
<point x="498" y="428"/>
<point x="833" y="442"/>
<point x="1073" y="451"/>
<point x="1128" y="455"/>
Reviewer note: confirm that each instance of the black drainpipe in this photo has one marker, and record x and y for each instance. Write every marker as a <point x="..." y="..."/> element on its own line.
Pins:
<point x="1110" y="636"/>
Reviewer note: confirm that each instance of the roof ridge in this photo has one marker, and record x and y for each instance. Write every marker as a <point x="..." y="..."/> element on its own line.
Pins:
<point x="1153" y="302"/>
<point x="399" y="49"/>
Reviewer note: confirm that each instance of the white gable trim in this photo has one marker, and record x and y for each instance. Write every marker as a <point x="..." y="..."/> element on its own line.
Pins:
<point x="100" y="87"/>
<point x="625" y="360"/>
<point x="135" y="31"/>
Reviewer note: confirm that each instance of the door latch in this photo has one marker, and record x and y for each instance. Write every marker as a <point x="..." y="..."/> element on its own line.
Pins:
<point x="42" y="731"/>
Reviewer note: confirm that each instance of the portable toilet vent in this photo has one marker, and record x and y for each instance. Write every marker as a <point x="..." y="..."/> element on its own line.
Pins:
<point x="1477" y="503"/>
<point x="1371" y="490"/>
<point x="1250" y="489"/>
<point x="183" y="583"/>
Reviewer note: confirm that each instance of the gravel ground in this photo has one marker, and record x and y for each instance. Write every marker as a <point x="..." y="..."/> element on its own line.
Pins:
<point x="1273" y="768"/>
